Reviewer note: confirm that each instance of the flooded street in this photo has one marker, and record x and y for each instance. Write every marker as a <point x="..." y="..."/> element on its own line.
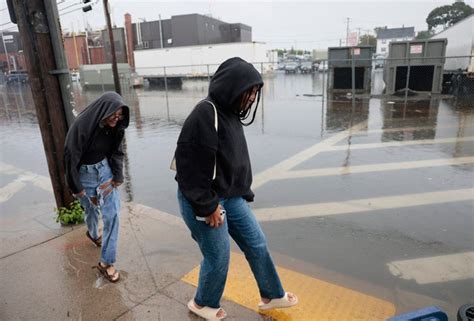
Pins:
<point x="374" y="195"/>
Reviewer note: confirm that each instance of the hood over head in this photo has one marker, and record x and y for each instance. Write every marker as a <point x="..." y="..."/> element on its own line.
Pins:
<point x="233" y="77"/>
<point x="103" y="107"/>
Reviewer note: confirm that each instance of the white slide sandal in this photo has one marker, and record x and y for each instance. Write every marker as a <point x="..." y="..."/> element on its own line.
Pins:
<point x="206" y="312"/>
<point x="280" y="303"/>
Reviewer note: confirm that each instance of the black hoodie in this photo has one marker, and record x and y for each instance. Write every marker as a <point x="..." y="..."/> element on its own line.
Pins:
<point x="85" y="128"/>
<point x="199" y="146"/>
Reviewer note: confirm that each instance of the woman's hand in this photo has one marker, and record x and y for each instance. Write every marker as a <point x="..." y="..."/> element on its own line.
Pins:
<point x="116" y="184"/>
<point x="215" y="219"/>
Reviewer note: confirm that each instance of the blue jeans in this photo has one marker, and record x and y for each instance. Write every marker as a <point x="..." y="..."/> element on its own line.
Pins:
<point x="214" y="244"/>
<point x="108" y="204"/>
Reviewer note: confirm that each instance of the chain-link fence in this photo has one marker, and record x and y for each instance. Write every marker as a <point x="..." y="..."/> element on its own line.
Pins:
<point x="447" y="77"/>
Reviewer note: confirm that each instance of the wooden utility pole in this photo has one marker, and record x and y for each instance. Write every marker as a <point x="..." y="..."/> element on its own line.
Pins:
<point x="33" y="25"/>
<point x="112" y="48"/>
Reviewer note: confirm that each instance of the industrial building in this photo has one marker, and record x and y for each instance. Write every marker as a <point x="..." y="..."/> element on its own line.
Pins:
<point x="12" y="58"/>
<point x="187" y="30"/>
<point x="386" y="35"/>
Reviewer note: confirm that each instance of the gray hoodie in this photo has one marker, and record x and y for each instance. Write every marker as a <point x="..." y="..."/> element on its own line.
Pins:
<point x="82" y="132"/>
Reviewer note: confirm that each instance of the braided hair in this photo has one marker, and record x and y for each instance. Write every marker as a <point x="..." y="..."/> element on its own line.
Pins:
<point x="244" y="112"/>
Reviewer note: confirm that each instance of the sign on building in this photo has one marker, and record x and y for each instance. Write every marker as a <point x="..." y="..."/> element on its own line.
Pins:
<point x="352" y="39"/>
<point x="416" y="49"/>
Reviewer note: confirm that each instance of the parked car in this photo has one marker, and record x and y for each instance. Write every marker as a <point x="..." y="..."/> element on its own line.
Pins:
<point x="306" y="67"/>
<point x="323" y="66"/>
<point x="291" y="67"/>
<point x="281" y="66"/>
<point x="17" y="76"/>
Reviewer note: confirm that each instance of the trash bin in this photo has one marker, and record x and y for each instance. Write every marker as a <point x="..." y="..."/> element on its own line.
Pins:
<point x="421" y="61"/>
<point x="340" y="69"/>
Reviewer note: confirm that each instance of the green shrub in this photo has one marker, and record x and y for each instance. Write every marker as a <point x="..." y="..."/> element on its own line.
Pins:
<point x="72" y="215"/>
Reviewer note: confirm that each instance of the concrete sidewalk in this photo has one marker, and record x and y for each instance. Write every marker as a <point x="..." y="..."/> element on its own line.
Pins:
<point x="49" y="275"/>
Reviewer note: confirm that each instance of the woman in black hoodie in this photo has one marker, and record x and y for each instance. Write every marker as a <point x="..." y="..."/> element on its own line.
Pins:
<point x="93" y="160"/>
<point x="214" y="178"/>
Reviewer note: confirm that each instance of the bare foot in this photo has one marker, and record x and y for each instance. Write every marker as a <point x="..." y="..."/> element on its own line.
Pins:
<point x="219" y="313"/>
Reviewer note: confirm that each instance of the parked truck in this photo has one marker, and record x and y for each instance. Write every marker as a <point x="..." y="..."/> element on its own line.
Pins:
<point x="458" y="77"/>
<point x="199" y="61"/>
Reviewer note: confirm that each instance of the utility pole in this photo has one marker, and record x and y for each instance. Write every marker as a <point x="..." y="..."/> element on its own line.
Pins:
<point x="112" y="48"/>
<point x="35" y="25"/>
<point x="347" y="31"/>
<point x="161" y="31"/>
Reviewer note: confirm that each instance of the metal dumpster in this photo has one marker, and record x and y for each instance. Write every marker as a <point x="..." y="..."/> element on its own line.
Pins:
<point x="341" y="60"/>
<point x="100" y="76"/>
<point x="418" y="64"/>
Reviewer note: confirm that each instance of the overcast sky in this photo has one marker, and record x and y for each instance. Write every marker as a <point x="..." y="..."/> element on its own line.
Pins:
<point x="281" y="24"/>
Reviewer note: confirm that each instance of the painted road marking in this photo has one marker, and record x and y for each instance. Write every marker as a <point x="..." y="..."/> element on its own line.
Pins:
<point x="363" y="205"/>
<point x="400" y="144"/>
<point x="11" y="189"/>
<point x="436" y="269"/>
<point x="40" y="181"/>
<point x="318" y="300"/>
<point x="374" y="168"/>
<point x="7" y="192"/>
<point x="268" y="174"/>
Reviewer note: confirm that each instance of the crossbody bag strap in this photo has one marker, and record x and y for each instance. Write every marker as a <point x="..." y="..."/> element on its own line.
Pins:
<point x="216" y="122"/>
<point x="216" y="126"/>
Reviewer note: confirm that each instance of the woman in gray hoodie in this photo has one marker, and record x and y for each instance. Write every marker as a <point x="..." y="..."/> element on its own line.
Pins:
<point x="93" y="161"/>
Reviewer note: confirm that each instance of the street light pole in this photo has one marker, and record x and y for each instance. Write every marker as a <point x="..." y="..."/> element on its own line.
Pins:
<point x="112" y="48"/>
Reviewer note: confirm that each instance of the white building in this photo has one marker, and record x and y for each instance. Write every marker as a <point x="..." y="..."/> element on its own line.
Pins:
<point x="386" y="35"/>
<point x="460" y="45"/>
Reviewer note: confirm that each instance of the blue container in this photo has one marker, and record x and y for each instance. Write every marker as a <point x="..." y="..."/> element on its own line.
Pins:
<point x="425" y="314"/>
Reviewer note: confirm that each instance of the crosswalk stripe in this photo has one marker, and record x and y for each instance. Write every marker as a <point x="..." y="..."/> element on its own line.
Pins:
<point x="363" y="205"/>
<point x="436" y="269"/>
<point x="374" y="168"/>
<point x="11" y="189"/>
<point x="400" y="144"/>
<point x="40" y="181"/>
<point x="268" y="174"/>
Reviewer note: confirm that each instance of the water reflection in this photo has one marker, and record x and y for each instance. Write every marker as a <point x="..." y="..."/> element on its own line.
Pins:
<point x="343" y="112"/>
<point x="418" y="113"/>
<point x="293" y="112"/>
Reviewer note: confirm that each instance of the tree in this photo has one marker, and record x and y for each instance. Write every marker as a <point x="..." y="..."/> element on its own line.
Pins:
<point x="426" y="34"/>
<point x="448" y="15"/>
<point x="367" y="40"/>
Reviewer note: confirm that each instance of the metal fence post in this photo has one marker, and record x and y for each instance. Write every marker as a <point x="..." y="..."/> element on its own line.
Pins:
<point x="208" y="75"/>
<point x="322" y="70"/>
<point x="353" y="73"/>
<point x="166" y="92"/>
<point x="101" y="80"/>
<point x="407" y="84"/>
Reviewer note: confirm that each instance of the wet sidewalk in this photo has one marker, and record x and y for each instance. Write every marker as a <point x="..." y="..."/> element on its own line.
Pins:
<point x="51" y="276"/>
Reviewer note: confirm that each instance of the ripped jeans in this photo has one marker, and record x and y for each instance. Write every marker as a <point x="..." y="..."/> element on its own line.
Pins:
<point x="96" y="180"/>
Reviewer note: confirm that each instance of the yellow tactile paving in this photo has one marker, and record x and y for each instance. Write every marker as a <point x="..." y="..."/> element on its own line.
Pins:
<point x="319" y="300"/>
